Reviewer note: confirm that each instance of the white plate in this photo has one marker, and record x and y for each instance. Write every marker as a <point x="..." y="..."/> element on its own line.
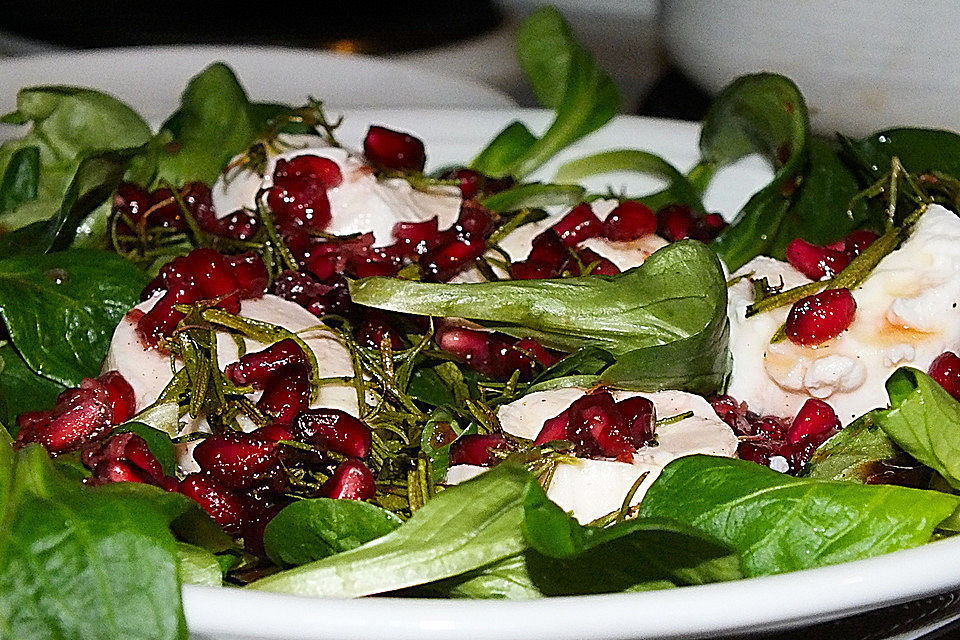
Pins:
<point x="150" y="79"/>
<point x="735" y="607"/>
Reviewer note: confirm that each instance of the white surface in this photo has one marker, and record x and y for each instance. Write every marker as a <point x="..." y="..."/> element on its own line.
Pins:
<point x="150" y="79"/>
<point x="761" y="603"/>
<point x="860" y="65"/>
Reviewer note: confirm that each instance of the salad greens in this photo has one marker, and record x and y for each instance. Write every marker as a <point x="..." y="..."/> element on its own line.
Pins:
<point x="85" y="561"/>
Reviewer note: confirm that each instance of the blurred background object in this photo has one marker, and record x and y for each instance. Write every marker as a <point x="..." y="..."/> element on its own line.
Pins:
<point x="862" y="66"/>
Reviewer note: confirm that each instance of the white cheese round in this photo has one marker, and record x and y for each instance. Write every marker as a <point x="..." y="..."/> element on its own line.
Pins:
<point x="906" y="315"/>
<point x="360" y="204"/>
<point x="590" y="489"/>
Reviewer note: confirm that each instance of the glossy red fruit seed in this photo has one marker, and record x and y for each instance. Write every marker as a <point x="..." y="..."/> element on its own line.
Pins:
<point x="474" y="221"/>
<point x="300" y="202"/>
<point x="470" y="181"/>
<point x="394" y="149"/>
<point x="374" y="328"/>
<point x="820" y="317"/>
<point x="757" y="451"/>
<point x="351" y="480"/>
<point x="443" y="263"/>
<point x="238" y="225"/>
<point x="238" y="460"/>
<point x="122" y="401"/>
<point x="257" y="513"/>
<point x="674" y="221"/>
<point x="333" y="430"/>
<point x="256" y="368"/>
<point x="251" y="274"/>
<point x="274" y="432"/>
<point x="549" y="249"/>
<point x="83" y="421"/>
<point x="286" y="393"/>
<point x="223" y="505"/>
<point x="629" y="221"/>
<point x="416" y="237"/>
<point x="110" y="471"/>
<point x="640" y="419"/>
<point x="579" y="224"/>
<point x="198" y="200"/>
<point x="532" y="270"/>
<point x="815" y="262"/>
<point x="164" y="211"/>
<point x="770" y="428"/>
<point x="475" y="449"/>
<point x="815" y="419"/>
<point x="126" y="447"/>
<point x="596" y="264"/>
<point x="131" y="200"/>
<point x="945" y="369"/>
<point x="324" y="171"/>
<point x="597" y="427"/>
<point x="857" y="242"/>
<point x="214" y="276"/>
<point x="707" y="228"/>
<point x="556" y="428"/>
<point x="163" y="318"/>
<point x="137" y="453"/>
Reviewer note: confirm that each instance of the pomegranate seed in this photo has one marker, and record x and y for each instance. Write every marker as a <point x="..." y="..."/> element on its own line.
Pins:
<point x="470" y="181"/>
<point x="640" y="419"/>
<point x="394" y="149"/>
<point x="820" y="317"/>
<point x="300" y="202"/>
<point x="757" y="451"/>
<point x="321" y="265"/>
<point x="556" y="428"/>
<point x="815" y="262"/>
<point x="274" y="432"/>
<point x="369" y="267"/>
<point x="173" y="276"/>
<point x="238" y="225"/>
<point x="214" y="276"/>
<point x="857" y="242"/>
<point x="577" y="225"/>
<point x="475" y="449"/>
<point x="237" y="460"/>
<point x="110" y="471"/>
<point x="814" y="419"/>
<point x="707" y="228"/>
<point x="597" y="427"/>
<point x="33" y="420"/>
<point x="126" y="447"/>
<point x="84" y="418"/>
<point x="674" y="222"/>
<point x="549" y="249"/>
<point x="255" y="369"/>
<point x="257" y="513"/>
<point x="600" y="265"/>
<point x="629" y="221"/>
<point x="474" y="221"/>
<point x="223" y="505"/>
<point x="324" y="171"/>
<point x="251" y="274"/>
<point x="121" y="397"/>
<point x="531" y="270"/>
<point x="319" y="299"/>
<point x="945" y="369"/>
<point x="333" y="430"/>
<point x="168" y="215"/>
<point x="445" y="262"/>
<point x="198" y="200"/>
<point x="131" y="200"/>
<point x="351" y="480"/>
<point x="286" y="393"/>
<point x="416" y="237"/>
<point x="162" y="319"/>
<point x="373" y="329"/>
<point x="770" y="428"/>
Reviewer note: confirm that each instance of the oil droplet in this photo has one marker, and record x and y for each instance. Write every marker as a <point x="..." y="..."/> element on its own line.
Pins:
<point x="58" y="276"/>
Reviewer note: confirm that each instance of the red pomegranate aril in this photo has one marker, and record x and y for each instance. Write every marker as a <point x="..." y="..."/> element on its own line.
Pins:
<point x="238" y="225"/>
<point x="137" y="452"/>
<point x="640" y="419"/>
<point x="333" y="430"/>
<point x="123" y="403"/>
<point x="476" y="348"/>
<point x="815" y="419"/>
<point x="33" y="420"/>
<point x="770" y="427"/>
<point x="174" y="276"/>
<point x="470" y="181"/>
<point x="443" y="263"/>
<point x="394" y="149"/>
<point x="162" y="319"/>
<point x="758" y="451"/>
<point x="474" y="221"/>
<point x="707" y="228"/>
<point x="257" y="513"/>
<point x="213" y="274"/>
<point x="857" y="242"/>
<point x="286" y="393"/>
<point x="274" y="432"/>
<point x="322" y="266"/>
<point x="629" y="221"/>
<point x="475" y="449"/>
<point x="251" y="274"/>
<point x="416" y="237"/>
<point x="256" y="368"/>
<point x="165" y="211"/>
<point x="374" y="328"/>
<point x="578" y="225"/>
<point x="674" y="222"/>
<point x="351" y="480"/>
<point x="596" y="264"/>
<point x="815" y="262"/>
<point x="237" y="460"/>
<point x="324" y="171"/>
<point x="549" y="249"/>
<point x="110" y="471"/>
<point x="537" y="351"/>
<point x="131" y="200"/>
<point x="556" y="428"/>
<point x="84" y="421"/>
<point x="815" y="319"/>
<point x="223" y="505"/>
<point x="596" y="427"/>
<point x="198" y="200"/>
<point x="301" y="203"/>
<point x="945" y="369"/>
<point x="367" y="268"/>
<point x="531" y="270"/>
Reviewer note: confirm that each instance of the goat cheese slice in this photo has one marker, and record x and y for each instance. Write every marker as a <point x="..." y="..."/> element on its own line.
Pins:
<point x="589" y="488"/>
<point x="360" y="204"/>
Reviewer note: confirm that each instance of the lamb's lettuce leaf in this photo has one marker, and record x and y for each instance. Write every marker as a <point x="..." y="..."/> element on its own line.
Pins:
<point x="924" y="420"/>
<point x="81" y="562"/>
<point x="21" y="389"/>
<point x="664" y="321"/>
<point x="919" y="150"/>
<point x="779" y="523"/>
<point x="855" y="453"/>
<point x="68" y="125"/>
<point x="566" y="78"/>
<point x="61" y="308"/>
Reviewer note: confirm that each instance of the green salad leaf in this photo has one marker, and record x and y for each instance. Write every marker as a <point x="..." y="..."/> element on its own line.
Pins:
<point x="214" y="123"/>
<point x="919" y="150"/>
<point x="198" y="566"/>
<point x="533" y="195"/>
<point x="61" y="309"/>
<point x="566" y="78"/>
<point x="21" y="389"/>
<point x="80" y="562"/>
<point x="309" y="530"/>
<point x="159" y="443"/>
<point x="69" y="125"/>
<point x="924" y="420"/>
<point x="665" y="321"/>
<point x="853" y="454"/>
<point x="779" y="523"/>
